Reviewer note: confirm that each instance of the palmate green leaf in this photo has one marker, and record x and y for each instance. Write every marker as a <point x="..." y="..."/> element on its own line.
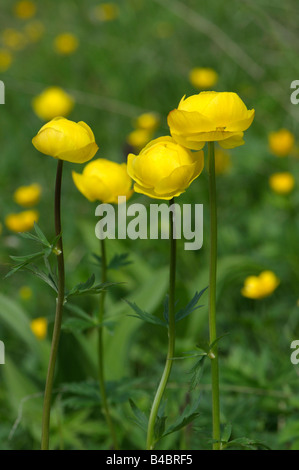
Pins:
<point x="119" y="260"/>
<point x="24" y="262"/>
<point x="88" y="287"/>
<point x="142" y="315"/>
<point x="141" y="418"/>
<point x="189" y="414"/>
<point x="190" y="307"/>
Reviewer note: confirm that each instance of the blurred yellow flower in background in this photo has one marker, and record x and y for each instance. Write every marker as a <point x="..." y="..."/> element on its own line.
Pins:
<point x="25" y="292"/>
<point x="104" y="180"/>
<point x="39" y="327"/>
<point x="258" y="287"/>
<point x="34" y="30"/>
<point x="66" y="140"/>
<point x="106" y="12"/>
<point x="66" y="43"/>
<point x="147" y="121"/>
<point x="210" y="116"/>
<point x="281" y="142"/>
<point x="5" y="60"/>
<point x="222" y="161"/>
<point x="139" y="138"/>
<point x="282" y="183"/>
<point x="24" y="9"/>
<point x="28" y="196"/>
<point x="164" y="169"/>
<point x="13" y="39"/>
<point x="203" y="77"/>
<point x="52" y="102"/>
<point x="21" y="222"/>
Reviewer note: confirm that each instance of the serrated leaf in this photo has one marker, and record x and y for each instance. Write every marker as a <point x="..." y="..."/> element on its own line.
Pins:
<point x="190" y="307"/>
<point x="41" y="236"/>
<point x="188" y="415"/>
<point x="142" y="315"/>
<point x="141" y="418"/>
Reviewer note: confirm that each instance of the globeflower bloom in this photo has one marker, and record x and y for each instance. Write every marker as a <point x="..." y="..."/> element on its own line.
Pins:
<point x="139" y="138"/>
<point x="147" y="121"/>
<point x="210" y="116"/>
<point x="282" y="183"/>
<point x="27" y="196"/>
<point x="39" y="327"/>
<point x="24" y="9"/>
<point x="281" y="142"/>
<point x="104" y="181"/>
<point x="203" y="77"/>
<point x="258" y="287"/>
<point x="106" y="12"/>
<point x="34" y="30"/>
<point x="52" y="102"/>
<point x="21" y="222"/>
<point x="164" y="169"/>
<point x="66" y="43"/>
<point x="13" y="39"/>
<point x="66" y="140"/>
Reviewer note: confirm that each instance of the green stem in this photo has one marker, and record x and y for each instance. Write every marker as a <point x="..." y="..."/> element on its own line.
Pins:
<point x="171" y="337"/>
<point x="58" y="314"/>
<point x="101" y="350"/>
<point x="212" y="298"/>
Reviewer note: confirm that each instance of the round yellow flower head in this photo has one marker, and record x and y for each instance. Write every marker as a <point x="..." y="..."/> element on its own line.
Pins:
<point x="210" y="116"/>
<point x="28" y="196"/>
<point x="104" y="181"/>
<point x="39" y="327"/>
<point x="66" y="43"/>
<point x="282" y="183"/>
<point x="52" y="102"/>
<point x="66" y="140"/>
<point x="139" y="138"/>
<point x="13" y="39"/>
<point x="147" y="121"/>
<point x="203" y="77"/>
<point x="164" y="169"/>
<point x="222" y="161"/>
<point x="258" y="287"/>
<point x="21" y="222"/>
<point x="25" y="292"/>
<point x="34" y="30"/>
<point x="281" y="143"/>
<point x="5" y="60"/>
<point x="106" y="11"/>
<point x="24" y="9"/>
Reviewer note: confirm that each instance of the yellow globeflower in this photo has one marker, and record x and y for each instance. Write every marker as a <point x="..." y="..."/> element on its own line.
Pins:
<point x="21" y="222"/>
<point x="282" y="183"/>
<point x="222" y="161"/>
<point x="203" y="77"/>
<point x="13" y="39"/>
<point x="210" y="116"/>
<point x="106" y="11"/>
<point x="257" y="287"/>
<point x="164" y="169"/>
<point x="39" y="327"/>
<point x="147" y="121"/>
<point x="281" y="142"/>
<point x="52" y="102"/>
<point x="28" y="196"/>
<point x="66" y="43"/>
<point x="25" y="292"/>
<point x="34" y="30"/>
<point x="104" y="180"/>
<point x="66" y="140"/>
<point x="139" y="138"/>
<point x="24" y="9"/>
<point x="5" y="60"/>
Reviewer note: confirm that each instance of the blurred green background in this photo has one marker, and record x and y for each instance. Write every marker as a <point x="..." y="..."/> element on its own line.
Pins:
<point x="136" y="62"/>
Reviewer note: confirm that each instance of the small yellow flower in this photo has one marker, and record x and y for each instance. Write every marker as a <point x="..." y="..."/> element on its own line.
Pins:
<point x="25" y="292"/>
<point x="104" y="181"/>
<point x="282" y="183"/>
<point x="66" y="43"/>
<point x="39" y="327"/>
<point x="13" y="39"/>
<point x="5" y="60"/>
<point x="21" y="222"/>
<point x="281" y="142"/>
<point x="258" y="287"/>
<point x="24" y="9"/>
<point x="34" y="30"/>
<point x="139" y="138"/>
<point x="164" y="169"/>
<point x="106" y="12"/>
<point x="27" y="196"/>
<point x="52" y="102"/>
<point x="147" y="121"/>
<point x="203" y="78"/>
<point x="222" y="161"/>
<point x="66" y="140"/>
<point x="210" y="116"/>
